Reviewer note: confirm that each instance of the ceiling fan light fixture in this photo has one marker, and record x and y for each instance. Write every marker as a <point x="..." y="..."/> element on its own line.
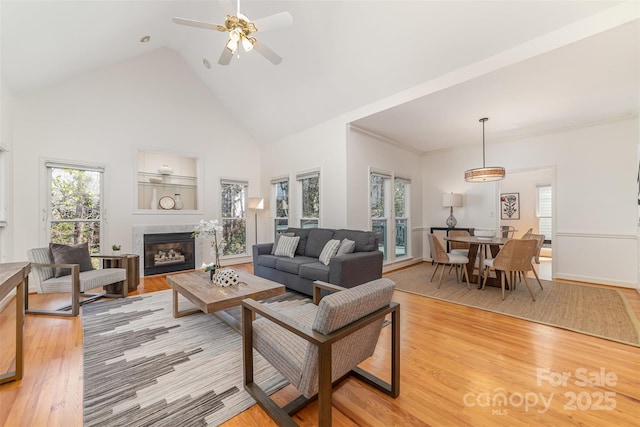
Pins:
<point x="232" y="45"/>
<point x="484" y="174"/>
<point x="247" y="43"/>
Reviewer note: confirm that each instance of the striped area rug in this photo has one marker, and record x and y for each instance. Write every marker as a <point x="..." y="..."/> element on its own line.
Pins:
<point x="142" y="367"/>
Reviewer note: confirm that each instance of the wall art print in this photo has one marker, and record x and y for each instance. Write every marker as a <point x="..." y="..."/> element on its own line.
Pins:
<point x="510" y="206"/>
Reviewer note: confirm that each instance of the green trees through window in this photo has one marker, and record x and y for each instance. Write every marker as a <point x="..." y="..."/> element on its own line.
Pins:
<point x="234" y="217"/>
<point x="75" y="206"/>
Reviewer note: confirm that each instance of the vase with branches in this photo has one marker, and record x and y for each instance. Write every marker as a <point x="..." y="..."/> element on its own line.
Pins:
<point x="213" y="230"/>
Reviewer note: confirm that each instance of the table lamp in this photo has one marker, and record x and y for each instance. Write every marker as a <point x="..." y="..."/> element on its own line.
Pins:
<point x="451" y="200"/>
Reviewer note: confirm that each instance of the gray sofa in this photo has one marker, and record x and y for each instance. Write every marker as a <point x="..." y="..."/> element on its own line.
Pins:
<point x="299" y="272"/>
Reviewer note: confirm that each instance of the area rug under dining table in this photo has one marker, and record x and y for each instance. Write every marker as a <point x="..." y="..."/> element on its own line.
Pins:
<point x="142" y="367"/>
<point x="592" y="310"/>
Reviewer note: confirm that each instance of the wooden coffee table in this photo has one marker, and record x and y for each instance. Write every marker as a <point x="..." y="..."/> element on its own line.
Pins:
<point x="209" y="298"/>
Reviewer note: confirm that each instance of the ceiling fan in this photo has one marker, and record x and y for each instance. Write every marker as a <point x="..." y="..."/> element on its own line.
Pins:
<point x="240" y="29"/>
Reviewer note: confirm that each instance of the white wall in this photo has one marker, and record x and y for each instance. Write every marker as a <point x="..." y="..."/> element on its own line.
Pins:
<point x="104" y="117"/>
<point x="365" y="152"/>
<point x="595" y="205"/>
<point x="322" y="147"/>
<point x="525" y="183"/>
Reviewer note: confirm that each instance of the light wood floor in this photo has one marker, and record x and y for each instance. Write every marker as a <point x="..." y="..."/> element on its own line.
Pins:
<point x="457" y="363"/>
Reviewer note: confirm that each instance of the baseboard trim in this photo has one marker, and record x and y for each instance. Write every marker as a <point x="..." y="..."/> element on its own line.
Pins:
<point x="596" y="280"/>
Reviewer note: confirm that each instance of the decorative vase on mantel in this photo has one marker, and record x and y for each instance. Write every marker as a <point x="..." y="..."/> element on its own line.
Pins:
<point x="178" y="205"/>
<point x="154" y="200"/>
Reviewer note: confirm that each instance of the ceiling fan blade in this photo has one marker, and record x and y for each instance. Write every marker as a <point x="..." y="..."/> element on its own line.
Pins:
<point x="272" y="22"/>
<point x="198" y="24"/>
<point x="225" y="56"/>
<point x="265" y="51"/>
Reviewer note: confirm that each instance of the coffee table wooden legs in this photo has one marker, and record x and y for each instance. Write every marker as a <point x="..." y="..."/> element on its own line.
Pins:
<point x="176" y="312"/>
<point x="16" y="375"/>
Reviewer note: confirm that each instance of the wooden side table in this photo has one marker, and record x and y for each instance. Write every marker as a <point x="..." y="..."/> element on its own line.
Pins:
<point x="15" y="275"/>
<point x="133" y="273"/>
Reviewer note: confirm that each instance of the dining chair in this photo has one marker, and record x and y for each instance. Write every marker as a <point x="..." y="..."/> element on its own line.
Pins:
<point x="507" y="231"/>
<point x="539" y="238"/>
<point x="459" y="248"/>
<point x="514" y="257"/>
<point x="442" y="258"/>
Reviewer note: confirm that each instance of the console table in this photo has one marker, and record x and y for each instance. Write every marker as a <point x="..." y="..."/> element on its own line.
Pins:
<point x="15" y="275"/>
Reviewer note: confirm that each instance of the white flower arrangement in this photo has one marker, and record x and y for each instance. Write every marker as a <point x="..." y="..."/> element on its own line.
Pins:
<point x="212" y="229"/>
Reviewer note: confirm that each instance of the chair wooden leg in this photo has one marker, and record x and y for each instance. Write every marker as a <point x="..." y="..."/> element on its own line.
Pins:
<point x="324" y="385"/>
<point x="526" y="282"/>
<point x="457" y="275"/>
<point x="536" y="274"/>
<point x="466" y="275"/>
<point x="434" y="272"/>
<point x="502" y="277"/>
<point x="441" y="274"/>
<point x="486" y="275"/>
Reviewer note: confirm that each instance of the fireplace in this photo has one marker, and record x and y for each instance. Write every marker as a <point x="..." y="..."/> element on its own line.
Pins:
<point x="168" y="252"/>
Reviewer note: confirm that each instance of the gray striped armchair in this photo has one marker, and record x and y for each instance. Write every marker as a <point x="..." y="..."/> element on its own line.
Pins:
<point x="48" y="279"/>
<point x="316" y="345"/>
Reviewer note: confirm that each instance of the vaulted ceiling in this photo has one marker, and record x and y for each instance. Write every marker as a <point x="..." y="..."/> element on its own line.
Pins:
<point x="342" y="55"/>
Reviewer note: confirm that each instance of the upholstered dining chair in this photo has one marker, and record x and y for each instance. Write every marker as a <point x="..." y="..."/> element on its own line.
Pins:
<point x="316" y="345"/>
<point x="459" y="248"/>
<point x="72" y="277"/>
<point x="539" y="238"/>
<point x="442" y="258"/>
<point x="514" y="257"/>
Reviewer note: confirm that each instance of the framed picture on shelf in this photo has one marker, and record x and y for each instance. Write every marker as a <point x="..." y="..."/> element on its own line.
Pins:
<point x="510" y="206"/>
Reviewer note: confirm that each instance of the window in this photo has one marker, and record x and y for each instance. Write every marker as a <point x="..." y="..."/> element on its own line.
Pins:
<point x="309" y="192"/>
<point x="389" y="213"/>
<point x="544" y="211"/>
<point x="401" y="214"/>
<point x="234" y="216"/>
<point x="380" y="186"/>
<point x="74" y="204"/>
<point x="281" y="196"/>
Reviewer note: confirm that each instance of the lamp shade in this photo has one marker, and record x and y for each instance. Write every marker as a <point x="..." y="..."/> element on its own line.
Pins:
<point x="256" y="203"/>
<point x="451" y="200"/>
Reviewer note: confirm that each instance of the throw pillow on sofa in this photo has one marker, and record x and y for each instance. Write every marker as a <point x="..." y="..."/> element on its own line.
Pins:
<point x="275" y="244"/>
<point x="329" y="251"/>
<point x="346" y="247"/>
<point x="64" y="254"/>
<point x="287" y="246"/>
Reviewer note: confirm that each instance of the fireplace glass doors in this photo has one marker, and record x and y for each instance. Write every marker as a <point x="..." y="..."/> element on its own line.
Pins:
<point x="168" y="252"/>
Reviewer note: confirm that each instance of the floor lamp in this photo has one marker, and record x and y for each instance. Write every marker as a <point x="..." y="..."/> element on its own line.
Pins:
<point x="256" y="203"/>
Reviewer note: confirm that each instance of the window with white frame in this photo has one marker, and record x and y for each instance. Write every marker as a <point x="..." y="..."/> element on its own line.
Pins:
<point x="389" y="198"/>
<point x="544" y="211"/>
<point x="234" y="216"/>
<point x="309" y="199"/>
<point x="74" y="204"/>
<point x="281" y="196"/>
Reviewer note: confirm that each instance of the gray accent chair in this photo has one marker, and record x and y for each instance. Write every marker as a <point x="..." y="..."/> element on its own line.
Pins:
<point x="316" y="345"/>
<point x="76" y="283"/>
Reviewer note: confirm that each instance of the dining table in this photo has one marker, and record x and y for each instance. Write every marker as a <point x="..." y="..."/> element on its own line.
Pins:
<point x="477" y="249"/>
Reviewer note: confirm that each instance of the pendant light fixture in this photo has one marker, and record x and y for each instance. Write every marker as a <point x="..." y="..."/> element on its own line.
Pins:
<point x="484" y="174"/>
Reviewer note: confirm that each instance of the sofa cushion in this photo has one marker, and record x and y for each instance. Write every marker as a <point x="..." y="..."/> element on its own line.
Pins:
<point x="275" y="244"/>
<point x="365" y="240"/>
<point x="329" y="251"/>
<point x="76" y="254"/>
<point x="315" y="271"/>
<point x="287" y="246"/>
<point x="318" y="237"/>
<point x="346" y="247"/>
<point x="292" y="265"/>
<point x="267" y="260"/>
<point x="304" y="235"/>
